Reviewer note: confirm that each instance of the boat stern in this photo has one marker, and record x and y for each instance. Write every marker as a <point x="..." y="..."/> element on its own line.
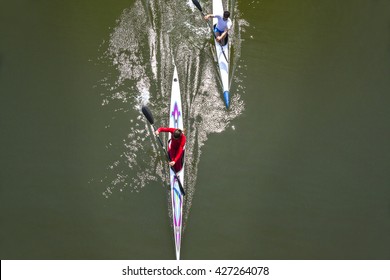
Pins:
<point x="226" y="97"/>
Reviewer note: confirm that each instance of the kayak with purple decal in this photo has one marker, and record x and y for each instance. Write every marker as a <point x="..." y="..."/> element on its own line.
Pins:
<point x="177" y="197"/>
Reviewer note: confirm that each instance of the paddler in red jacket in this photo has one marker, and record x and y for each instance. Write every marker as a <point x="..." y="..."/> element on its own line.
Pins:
<point x="175" y="146"/>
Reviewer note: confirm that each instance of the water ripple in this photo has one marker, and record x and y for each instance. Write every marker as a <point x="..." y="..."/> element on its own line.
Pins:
<point x="148" y="37"/>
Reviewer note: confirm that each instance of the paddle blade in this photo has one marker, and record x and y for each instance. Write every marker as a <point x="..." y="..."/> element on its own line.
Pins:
<point x="148" y="114"/>
<point x="197" y="4"/>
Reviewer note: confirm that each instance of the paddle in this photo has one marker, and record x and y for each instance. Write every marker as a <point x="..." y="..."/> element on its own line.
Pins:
<point x="197" y="4"/>
<point x="148" y="115"/>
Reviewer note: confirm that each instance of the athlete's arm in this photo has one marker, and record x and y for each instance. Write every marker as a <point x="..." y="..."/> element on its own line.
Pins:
<point x="206" y="17"/>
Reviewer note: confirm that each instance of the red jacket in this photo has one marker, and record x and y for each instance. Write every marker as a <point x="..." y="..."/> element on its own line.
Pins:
<point x="176" y="146"/>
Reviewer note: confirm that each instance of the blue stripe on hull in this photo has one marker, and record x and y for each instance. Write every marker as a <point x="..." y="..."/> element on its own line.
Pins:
<point x="227" y="99"/>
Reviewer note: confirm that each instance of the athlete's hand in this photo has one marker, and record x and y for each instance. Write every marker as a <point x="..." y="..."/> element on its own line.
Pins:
<point x="172" y="163"/>
<point x="156" y="132"/>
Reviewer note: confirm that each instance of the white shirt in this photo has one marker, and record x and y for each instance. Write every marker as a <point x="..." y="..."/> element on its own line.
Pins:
<point x="223" y="24"/>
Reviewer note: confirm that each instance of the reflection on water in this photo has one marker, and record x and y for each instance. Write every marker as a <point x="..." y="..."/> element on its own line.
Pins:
<point x="148" y="37"/>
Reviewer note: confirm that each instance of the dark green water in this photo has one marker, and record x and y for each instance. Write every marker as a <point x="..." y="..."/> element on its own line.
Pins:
<point x="299" y="170"/>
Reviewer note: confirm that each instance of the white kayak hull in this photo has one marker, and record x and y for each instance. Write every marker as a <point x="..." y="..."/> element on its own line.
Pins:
<point x="177" y="199"/>
<point x="222" y="53"/>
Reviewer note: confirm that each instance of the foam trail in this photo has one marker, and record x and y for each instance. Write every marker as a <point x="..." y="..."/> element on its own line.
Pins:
<point x="147" y="38"/>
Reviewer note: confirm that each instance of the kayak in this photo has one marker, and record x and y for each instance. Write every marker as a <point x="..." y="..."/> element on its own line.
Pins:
<point x="222" y="53"/>
<point x="177" y="198"/>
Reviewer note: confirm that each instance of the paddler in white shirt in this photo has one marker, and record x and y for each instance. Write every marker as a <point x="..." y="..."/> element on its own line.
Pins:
<point x="222" y="27"/>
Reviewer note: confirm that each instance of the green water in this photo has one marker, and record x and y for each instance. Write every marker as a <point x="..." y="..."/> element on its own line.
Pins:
<point x="300" y="173"/>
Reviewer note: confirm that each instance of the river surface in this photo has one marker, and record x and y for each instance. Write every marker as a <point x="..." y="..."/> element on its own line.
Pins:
<point x="298" y="168"/>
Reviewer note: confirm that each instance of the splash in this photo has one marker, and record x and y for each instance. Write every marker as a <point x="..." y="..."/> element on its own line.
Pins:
<point x="148" y="37"/>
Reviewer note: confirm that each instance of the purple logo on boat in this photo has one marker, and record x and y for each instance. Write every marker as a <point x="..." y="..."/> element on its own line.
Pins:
<point x="176" y="114"/>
